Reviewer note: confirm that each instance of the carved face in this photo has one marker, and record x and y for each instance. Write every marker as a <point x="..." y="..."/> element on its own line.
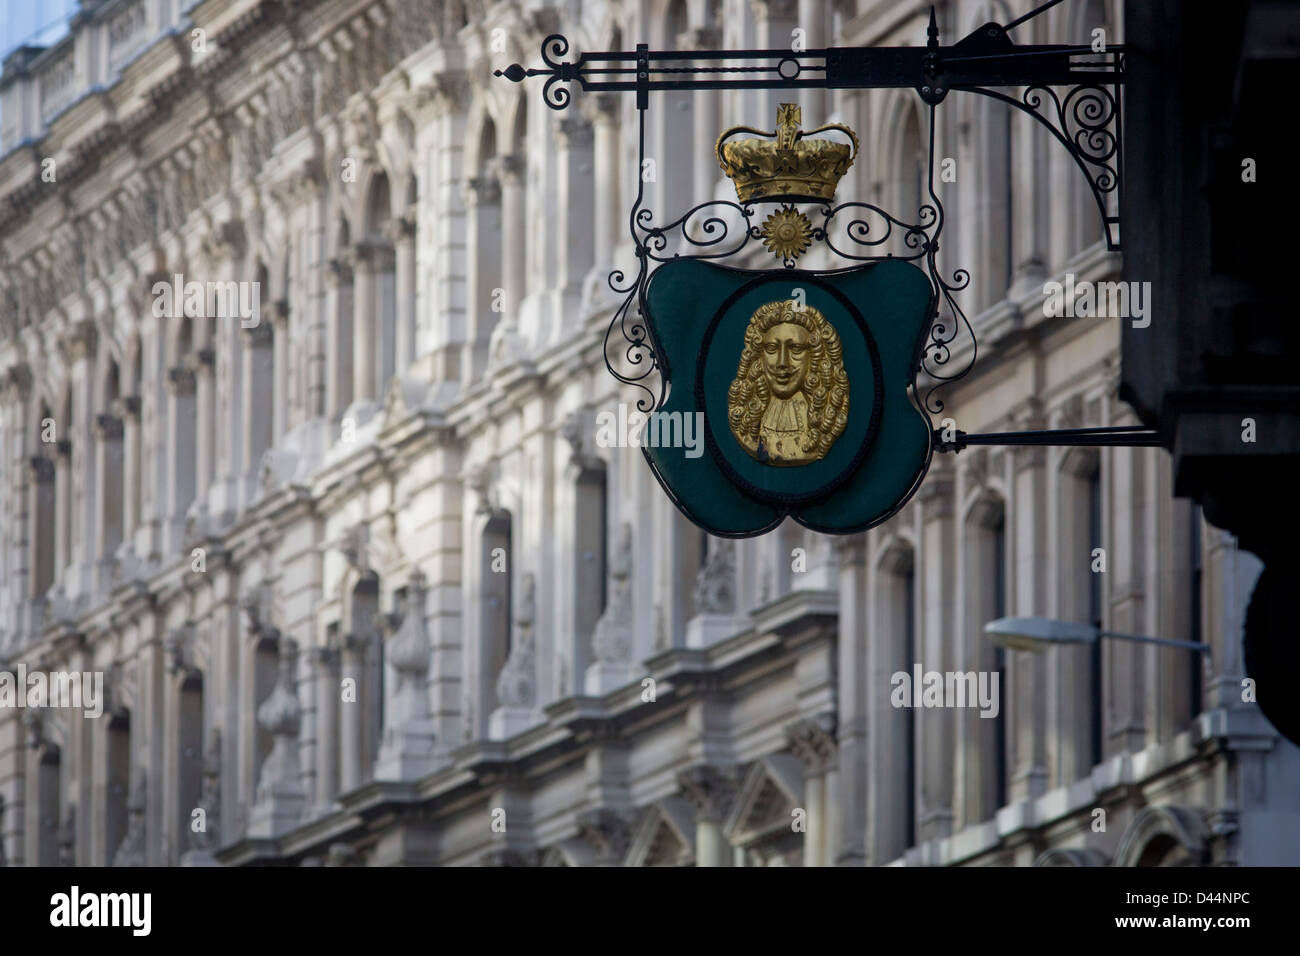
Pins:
<point x="785" y="358"/>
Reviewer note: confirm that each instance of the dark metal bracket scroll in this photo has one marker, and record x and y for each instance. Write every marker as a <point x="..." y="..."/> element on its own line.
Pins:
<point x="1085" y="119"/>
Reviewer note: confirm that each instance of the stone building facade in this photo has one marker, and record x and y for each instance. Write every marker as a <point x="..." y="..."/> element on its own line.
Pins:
<point x="365" y="588"/>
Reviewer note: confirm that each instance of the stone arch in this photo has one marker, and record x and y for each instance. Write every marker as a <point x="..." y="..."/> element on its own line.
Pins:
<point x="1164" y="836"/>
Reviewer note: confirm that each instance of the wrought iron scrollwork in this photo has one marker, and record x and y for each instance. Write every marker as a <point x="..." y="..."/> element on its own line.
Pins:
<point x="1086" y="121"/>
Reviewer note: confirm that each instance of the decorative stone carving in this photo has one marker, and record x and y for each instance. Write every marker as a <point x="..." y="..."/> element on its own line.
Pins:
<point x="68" y="837"/>
<point x="205" y="841"/>
<point x="407" y="749"/>
<point x="131" y="851"/>
<point x="813" y="741"/>
<point x="715" y="585"/>
<point x="709" y="790"/>
<point x="608" y="832"/>
<point x="613" y="636"/>
<point x="517" y="682"/>
<point x="280" y="798"/>
<point x="516" y="687"/>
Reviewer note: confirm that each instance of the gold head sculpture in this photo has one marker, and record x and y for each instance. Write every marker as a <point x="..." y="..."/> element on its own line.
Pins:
<point x="786" y="164"/>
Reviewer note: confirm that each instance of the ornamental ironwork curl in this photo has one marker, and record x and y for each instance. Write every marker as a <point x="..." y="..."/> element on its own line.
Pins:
<point x="1086" y="121"/>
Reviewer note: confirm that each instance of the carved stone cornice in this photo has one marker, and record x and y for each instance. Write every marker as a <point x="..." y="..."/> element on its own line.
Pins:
<point x="710" y="789"/>
<point x="444" y="93"/>
<point x="813" y="741"/>
<point x="607" y="831"/>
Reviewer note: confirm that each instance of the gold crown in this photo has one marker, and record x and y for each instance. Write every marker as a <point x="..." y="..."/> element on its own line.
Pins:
<point x="791" y="167"/>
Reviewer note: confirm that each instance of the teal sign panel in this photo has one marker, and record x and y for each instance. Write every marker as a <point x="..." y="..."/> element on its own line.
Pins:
<point x="800" y="381"/>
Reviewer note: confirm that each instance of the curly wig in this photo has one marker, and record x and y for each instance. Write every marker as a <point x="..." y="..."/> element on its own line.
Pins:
<point x="826" y="385"/>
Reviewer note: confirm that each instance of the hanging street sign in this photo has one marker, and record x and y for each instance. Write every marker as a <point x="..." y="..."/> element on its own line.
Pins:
<point x="816" y="388"/>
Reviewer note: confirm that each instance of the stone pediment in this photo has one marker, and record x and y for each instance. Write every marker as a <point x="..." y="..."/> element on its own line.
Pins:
<point x="772" y="788"/>
<point x="665" y="836"/>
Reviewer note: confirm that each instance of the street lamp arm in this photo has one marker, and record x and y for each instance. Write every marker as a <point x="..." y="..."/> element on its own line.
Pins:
<point x="1162" y="641"/>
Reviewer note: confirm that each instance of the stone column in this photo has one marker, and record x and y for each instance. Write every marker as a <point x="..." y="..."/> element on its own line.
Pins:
<point x="483" y="266"/>
<point x="706" y="126"/>
<point x="813" y="742"/>
<point x="853" y="791"/>
<point x="937" y="626"/>
<point x="1028" y="542"/>
<point x="603" y="111"/>
<point x="443" y="257"/>
<point x="351" y="725"/>
<point x="325" y="666"/>
<point x="710" y="790"/>
<point x="575" y="208"/>
<point x="774" y="23"/>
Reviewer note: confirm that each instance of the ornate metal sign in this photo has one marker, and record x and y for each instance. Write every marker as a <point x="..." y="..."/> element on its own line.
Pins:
<point x="816" y="387"/>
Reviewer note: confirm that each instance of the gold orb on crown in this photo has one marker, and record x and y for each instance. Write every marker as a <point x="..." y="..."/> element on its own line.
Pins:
<point x="786" y="164"/>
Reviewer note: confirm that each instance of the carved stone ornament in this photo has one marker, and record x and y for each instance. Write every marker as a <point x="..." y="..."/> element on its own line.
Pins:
<point x="612" y="639"/>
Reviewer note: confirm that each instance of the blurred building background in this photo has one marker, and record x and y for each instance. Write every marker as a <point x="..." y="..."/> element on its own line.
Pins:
<point x="366" y="590"/>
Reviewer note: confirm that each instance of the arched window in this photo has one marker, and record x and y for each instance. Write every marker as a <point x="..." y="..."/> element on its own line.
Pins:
<point x="117" y="782"/>
<point x="190" y="758"/>
<point x="42" y="532"/>
<point x="895" y="626"/>
<point x="377" y="314"/>
<point x="182" y="426"/>
<point x="484" y="241"/>
<point x="259" y="384"/>
<point x="1078" y="677"/>
<point x="984" y="764"/>
<point x="339" y="380"/>
<point x="109" y="429"/>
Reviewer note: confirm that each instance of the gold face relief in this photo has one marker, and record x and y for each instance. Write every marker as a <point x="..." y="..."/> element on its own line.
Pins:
<point x="789" y="401"/>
